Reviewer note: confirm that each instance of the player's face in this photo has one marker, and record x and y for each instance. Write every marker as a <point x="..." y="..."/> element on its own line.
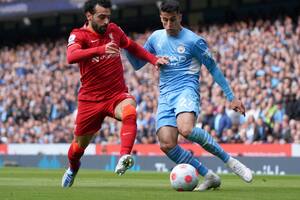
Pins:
<point x="100" y="19"/>
<point x="171" y="22"/>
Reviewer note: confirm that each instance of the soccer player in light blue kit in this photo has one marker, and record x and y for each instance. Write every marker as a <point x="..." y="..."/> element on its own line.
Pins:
<point x="179" y="99"/>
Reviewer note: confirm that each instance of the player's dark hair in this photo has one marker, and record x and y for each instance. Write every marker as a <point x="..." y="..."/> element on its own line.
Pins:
<point x="170" y="6"/>
<point x="89" y="6"/>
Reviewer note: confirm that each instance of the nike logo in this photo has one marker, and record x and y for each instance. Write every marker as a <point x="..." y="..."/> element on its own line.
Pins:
<point x="94" y="41"/>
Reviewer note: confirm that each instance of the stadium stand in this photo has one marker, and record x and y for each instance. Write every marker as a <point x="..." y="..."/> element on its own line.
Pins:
<point x="261" y="60"/>
<point x="6" y="1"/>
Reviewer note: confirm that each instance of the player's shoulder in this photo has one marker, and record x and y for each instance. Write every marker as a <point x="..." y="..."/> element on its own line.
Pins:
<point x="79" y="35"/>
<point x="195" y="39"/>
<point x="74" y="36"/>
<point x="157" y="34"/>
<point x="114" y="27"/>
<point x="159" y="31"/>
<point x="75" y="32"/>
<point x="79" y="32"/>
<point x="191" y="36"/>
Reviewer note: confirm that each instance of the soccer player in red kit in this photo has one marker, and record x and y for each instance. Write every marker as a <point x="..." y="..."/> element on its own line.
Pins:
<point x="96" y="48"/>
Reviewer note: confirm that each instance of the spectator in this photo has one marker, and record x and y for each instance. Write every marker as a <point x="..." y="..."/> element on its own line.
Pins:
<point x="260" y="59"/>
<point x="222" y="121"/>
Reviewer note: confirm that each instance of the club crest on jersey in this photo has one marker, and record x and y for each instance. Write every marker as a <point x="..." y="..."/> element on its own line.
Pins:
<point x="180" y="49"/>
<point x="71" y="39"/>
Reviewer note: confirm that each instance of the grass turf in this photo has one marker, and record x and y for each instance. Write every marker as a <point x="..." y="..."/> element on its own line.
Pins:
<point x="31" y="184"/>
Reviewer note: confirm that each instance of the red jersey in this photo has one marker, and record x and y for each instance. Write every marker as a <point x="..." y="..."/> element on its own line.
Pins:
<point x="102" y="74"/>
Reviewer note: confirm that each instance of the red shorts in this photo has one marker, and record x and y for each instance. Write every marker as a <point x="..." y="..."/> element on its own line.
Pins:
<point x="91" y="114"/>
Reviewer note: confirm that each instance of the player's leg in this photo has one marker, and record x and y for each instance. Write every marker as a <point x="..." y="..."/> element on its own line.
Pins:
<point x="126" y="112"/>
<point x="76" y="151"/>
<point x="186" y="127"/>
<point x="187" y="109"/>
<point x="88" y="122"/>
<point x="167" y="137"/>
<point x="167" y="134"/>
<point x="185" y="123"/>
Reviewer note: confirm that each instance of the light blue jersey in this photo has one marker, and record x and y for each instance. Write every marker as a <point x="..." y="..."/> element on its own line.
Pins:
<point x="183" y="69"/>
<point x="179" y="80"/>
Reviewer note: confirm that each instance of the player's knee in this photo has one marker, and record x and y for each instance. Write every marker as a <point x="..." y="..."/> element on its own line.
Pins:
<point x="83" y="145"/>
<point x="129" y="112"/>
<point x="83" y="141"/>
<point x="166" y="147"/>
<point x="185" y="130"/>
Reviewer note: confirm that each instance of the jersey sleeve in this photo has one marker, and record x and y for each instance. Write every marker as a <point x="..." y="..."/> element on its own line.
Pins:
<point x="136" y="62"/>
<point x="124" y="40"/>
<point x="75" y="38"/>
<point x="76" y="52"/>
<point x="204" y="55"/>
<point x="149" y="45"/>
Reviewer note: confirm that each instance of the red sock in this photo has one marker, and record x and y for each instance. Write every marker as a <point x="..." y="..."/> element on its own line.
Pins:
<point x="74" y="155"/>
<point x="128" y="130"/>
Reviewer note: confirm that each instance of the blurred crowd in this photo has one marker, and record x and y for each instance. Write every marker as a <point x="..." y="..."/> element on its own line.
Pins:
<point x="261" y="61"/>
<point x="7" y="1"/>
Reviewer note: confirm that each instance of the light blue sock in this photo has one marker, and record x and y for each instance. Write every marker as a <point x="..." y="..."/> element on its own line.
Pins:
<point x="203" y="138"/>
<point x="179" y="155"/>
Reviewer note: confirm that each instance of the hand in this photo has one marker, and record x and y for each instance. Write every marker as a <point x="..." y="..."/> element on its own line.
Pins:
<point x="164" y="60"/>
<point x="112" y="48"/>
<point x="237" y="106"/>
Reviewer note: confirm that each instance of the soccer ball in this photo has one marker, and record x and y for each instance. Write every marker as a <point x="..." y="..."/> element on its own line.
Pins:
<point x="184" y="177"/>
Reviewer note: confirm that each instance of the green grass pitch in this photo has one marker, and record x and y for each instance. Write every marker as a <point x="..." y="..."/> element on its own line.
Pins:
<point x="31" y="184"/>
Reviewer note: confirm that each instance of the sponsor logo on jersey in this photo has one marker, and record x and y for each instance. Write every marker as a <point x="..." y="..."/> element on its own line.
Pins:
<point x="104" y="57"/>
<point x="175" y="60"/>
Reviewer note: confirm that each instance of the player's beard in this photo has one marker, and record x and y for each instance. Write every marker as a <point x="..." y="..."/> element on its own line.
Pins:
<point x="99" y="29"/>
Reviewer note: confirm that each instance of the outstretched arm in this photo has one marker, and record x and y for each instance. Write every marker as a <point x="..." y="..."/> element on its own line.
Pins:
<point x="76" y="54"/>
<point x="139" y="56"/>
<point x="204" y="55"/>
<point x="144" y="55"/>
<point x="141" y="53"/>
<point x="134" y="61"/>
